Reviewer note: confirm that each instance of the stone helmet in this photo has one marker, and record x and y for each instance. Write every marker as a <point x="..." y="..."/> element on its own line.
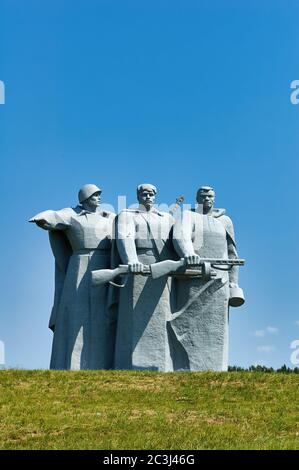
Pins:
<point x="87" y="191"/>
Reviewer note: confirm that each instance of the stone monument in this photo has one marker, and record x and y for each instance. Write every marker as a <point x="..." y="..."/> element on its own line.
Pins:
<point x="141" y="290"/>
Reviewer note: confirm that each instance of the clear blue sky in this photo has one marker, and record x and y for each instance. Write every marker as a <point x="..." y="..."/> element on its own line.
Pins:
<point x="177" y="93"/>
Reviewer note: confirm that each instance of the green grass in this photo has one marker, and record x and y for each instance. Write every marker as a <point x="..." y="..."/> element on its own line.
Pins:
<point x="148" y="410"/>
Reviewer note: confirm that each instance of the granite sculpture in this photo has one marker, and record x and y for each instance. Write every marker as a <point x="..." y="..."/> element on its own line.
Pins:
<point x="143" y="237"/>
<point x="80" y="239"/>
<point x="199" y="323"/>
<point x="142" y="290"/>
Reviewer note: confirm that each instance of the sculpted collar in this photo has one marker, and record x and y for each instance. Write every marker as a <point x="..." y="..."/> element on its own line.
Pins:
<point x="141" y="209"/>
<point x="215" y="212"/>
<point x="81" y="211"/>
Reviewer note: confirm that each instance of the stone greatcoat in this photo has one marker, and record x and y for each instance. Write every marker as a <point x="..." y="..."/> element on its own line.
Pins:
<point x="83" y="332"/>
<point x="144" y="304"/>
<point x="199" y="325"/>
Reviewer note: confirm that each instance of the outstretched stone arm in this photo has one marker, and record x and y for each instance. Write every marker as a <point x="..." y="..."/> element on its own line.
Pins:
<point x="125" y="238"/>
<point x="52" y="220"/>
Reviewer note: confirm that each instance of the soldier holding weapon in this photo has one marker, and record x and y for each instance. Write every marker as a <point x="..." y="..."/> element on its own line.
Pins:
<point x="143" y="237"/>
<point x="200" y="321"/>
<point x="192" y="333"/>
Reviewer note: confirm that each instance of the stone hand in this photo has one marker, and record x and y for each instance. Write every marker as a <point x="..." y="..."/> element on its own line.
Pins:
<point x="135" y="267"/>
<point x="192" y="260"/>
<point x="40" y="222"/>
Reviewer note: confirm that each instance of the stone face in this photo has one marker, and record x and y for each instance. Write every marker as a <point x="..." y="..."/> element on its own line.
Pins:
<point x="81" y="242"/>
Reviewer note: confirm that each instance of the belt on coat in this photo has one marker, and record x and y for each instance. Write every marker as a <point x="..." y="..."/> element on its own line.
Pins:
<point x="146" y="251"/>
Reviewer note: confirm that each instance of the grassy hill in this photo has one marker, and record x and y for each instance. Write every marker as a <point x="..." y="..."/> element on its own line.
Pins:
<point x="148" y="410"/>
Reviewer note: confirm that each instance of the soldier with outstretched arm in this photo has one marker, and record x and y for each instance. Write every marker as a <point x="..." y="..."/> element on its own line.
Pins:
<point x="80" y="239"/>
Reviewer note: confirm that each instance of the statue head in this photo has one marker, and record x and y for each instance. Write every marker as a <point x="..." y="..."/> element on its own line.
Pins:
<point x="206" y="197"/>
<point x="90" y="197"/>
<point x="146" y="195"/>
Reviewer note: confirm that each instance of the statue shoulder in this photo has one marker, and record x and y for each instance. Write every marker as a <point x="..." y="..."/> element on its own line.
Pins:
<point x="225" y="220"/>
<point x="72" y="210"/>
<point x="167" y="215"/>
<point x="190" y="213"/>
<point x="127" y="214"/>
<point x="68" y="211"/>
<point x="228" y="225"/>
<point x="186" y="217"/>
<point x="108" y="215"/>
<point x="166" y="218"/>
<point x="218" y="213"/>
<point x="170" y="217"/>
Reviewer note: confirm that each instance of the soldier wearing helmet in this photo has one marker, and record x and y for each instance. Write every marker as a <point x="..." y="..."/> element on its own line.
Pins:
<point x="87" y="191"/>
<point x="80" y="239"/>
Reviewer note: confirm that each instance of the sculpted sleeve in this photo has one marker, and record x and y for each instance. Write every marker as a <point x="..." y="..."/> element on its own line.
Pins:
<point x="231" y="250"/>
<point x="125" y="237"/>
<point x="183" y="233"/>
<point x="53" y="220"/>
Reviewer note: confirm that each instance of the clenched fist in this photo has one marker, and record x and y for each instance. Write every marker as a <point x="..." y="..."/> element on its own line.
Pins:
<point x="135" y="267"/>
<point x="192" y="260"/>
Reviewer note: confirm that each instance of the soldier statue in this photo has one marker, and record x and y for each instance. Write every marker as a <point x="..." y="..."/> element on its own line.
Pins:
<point x="143" y="238"/>
<point x="201" y="310"/>
<point x="80" y="239"/>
